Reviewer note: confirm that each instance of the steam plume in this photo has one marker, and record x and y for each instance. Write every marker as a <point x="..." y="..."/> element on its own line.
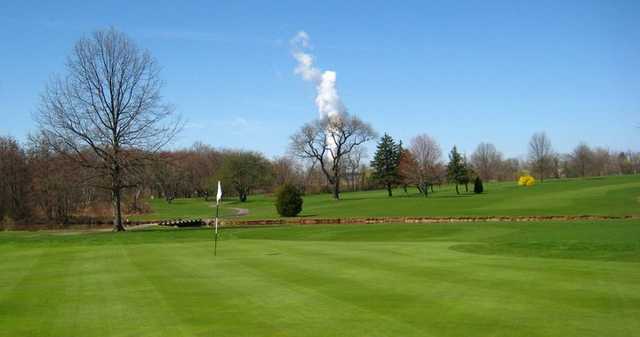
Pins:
<point x="327" y="99"/>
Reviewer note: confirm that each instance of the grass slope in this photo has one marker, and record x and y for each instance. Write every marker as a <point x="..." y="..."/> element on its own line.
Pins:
<point x="593" y="196"/>
<point x="503" y="279"/>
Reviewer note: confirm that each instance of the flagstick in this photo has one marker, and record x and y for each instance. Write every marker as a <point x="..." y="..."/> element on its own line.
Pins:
<point x="218" y="199"/>
<point x="215" y="242"/>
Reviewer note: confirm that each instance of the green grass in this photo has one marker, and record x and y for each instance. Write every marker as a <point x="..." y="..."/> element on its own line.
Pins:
<point x="476" y="279"/>
<point x="614" y="196"/>
<point x="195" y="208"/>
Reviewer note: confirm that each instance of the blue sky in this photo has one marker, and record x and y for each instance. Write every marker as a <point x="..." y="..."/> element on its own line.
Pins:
<point x="463" y="72"/>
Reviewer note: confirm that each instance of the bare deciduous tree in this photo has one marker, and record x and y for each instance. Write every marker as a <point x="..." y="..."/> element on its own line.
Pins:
<point x="426" y="155"/>
<point x="603" y="162"/>
<point x="287" y="171"/>
<point x="580" y="160"/>
<point x="509" y="169"/>
<point x="486" y="161"/>
<point x="540" y="154"/>
<point x="14" y="181"/>
<point x="328" y="140"/>
<point x="353" y="165"/>
<point x="108" y="105"/>
<point x="57" y="183"/>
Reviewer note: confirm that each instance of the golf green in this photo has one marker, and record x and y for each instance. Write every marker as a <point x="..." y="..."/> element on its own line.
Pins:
<point x="475" y="279"/>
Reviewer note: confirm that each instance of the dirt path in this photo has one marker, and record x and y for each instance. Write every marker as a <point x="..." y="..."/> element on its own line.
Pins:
<point x="240" y="211"/>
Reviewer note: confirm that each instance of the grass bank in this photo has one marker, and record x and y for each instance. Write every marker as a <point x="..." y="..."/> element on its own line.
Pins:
<point x="605" y="196"/>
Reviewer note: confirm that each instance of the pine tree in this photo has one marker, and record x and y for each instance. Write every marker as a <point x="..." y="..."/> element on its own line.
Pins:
<point x="386" y="163"/>
<point x="457" y="169"/>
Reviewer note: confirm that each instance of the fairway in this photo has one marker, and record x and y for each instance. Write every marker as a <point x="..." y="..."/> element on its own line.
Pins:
<point x="489" y="279"/>
<point x="611" y="196"/>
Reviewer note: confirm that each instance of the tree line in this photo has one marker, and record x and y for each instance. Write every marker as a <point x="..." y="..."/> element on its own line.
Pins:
<point x="103" y="128"/>
<point x="421" y="163"/>
<point x="40" y="185"/>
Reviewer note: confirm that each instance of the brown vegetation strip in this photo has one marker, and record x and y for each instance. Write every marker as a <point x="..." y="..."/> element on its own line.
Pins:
<point x="101" y="226"/>
<point x="380" y="220"/>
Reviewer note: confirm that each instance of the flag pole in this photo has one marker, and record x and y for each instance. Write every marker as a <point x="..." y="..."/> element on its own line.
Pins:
<point x="218" y="199"/>
<point x="215" y="242"/>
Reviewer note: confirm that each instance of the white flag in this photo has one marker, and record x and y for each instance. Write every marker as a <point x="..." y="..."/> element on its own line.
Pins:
<point x="219" y="195"/>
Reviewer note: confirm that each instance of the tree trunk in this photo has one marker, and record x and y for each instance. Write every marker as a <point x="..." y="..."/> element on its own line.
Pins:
<point x="457" y="190"/>
<point x="466" y="187"/>
<point x="136" y="200"/>
<point x="389" y="190"/>
<point x="117" y="210"/>
<point x="336" y="181"/>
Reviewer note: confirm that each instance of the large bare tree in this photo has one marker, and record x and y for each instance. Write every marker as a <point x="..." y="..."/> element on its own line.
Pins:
<point x="540" y="154"/>
<point x="328" y="141"/>
<point x="107" y="110"/>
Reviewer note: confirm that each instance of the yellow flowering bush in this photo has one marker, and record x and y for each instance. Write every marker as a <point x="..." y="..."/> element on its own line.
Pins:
<point x="526" y="180"/>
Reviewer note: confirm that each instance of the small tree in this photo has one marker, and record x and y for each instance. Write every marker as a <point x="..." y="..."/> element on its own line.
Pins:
<point x="540" y="154"/>
<point x="406" y="168"/>
<point x="581" y="160"/>
<point x="245" y="171"/>
<point x="386" y="163"/>
<point x="288" y="200"/>
<point x="457" y="169"/>
<point x="477" y="186"/>
<point x="424" y="167"/>
<point x="486" y="161"/>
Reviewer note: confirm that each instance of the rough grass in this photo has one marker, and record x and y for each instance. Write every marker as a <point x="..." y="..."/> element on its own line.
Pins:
<point x="481" y="279"/>
<point x="614" y="196"/>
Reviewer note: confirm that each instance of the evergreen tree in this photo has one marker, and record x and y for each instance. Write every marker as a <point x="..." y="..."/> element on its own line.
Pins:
<point x="457" y="169"/>
<point x="288" y="200"/>
<point x="386" y="163"/>
<point x="477" y="186"/>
